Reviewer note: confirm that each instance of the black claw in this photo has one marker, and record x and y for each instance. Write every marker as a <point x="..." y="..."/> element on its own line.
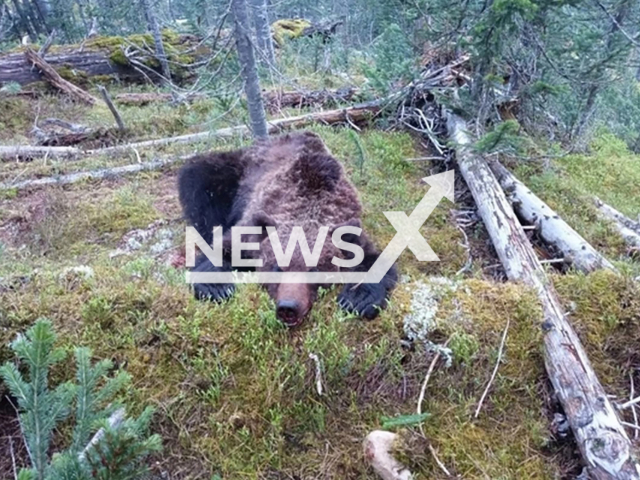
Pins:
<point x="365" y="300"/>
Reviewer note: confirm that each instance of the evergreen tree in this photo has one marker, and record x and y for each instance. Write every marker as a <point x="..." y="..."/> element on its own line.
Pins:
<point x="116" y="452"/>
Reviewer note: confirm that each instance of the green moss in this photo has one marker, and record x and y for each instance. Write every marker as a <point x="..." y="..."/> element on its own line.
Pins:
<point x="605" y="311"/>
<point x="236" y="391"/>
<point x="287" y="28"/>
<point x="172" y="41"/>
<point x="74" y="75"/>
<point x="8" y="194"/>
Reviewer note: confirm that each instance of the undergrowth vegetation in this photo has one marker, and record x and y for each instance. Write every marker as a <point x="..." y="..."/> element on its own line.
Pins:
<point x="235" y="392"/>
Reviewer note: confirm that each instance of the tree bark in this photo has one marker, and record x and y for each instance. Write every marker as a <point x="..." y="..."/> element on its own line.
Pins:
<point x="603" y="442"/>
<point x="628" y="229"/>
<point x="27" y="152"/>
<point x="552" y="229"/>
<point x="157" y="40"/>
<point x="263" y="31"/>
<point x="89" y="60"/>
<point x="249" y="70"/>
<point x="13" y="67"/>
<point x="112" y="108"/>
<point x="56" y="80"/>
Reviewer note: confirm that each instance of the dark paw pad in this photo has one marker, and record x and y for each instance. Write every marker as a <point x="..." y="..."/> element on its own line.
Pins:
<point x="365" y="300"/>
<point x="215" y="292"/>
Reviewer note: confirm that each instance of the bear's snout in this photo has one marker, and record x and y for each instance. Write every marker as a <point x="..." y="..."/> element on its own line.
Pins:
<point x="289" y="311"/>
<point x="293" y="302"/>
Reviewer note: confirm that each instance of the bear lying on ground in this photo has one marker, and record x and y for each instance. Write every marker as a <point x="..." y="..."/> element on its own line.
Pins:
<point x="286" y="181"/>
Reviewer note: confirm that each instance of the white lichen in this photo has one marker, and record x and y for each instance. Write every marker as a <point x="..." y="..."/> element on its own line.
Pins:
<point x="421" y="321"/>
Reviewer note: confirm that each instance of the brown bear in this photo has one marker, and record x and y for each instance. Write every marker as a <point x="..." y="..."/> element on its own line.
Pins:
<point x="286" y="181"/>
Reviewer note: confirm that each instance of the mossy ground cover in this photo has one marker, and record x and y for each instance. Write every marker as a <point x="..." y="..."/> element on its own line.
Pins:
<point x="235" y="391"/>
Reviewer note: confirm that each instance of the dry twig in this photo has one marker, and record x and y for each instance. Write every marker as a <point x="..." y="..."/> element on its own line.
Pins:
<point x="495" y="370"/>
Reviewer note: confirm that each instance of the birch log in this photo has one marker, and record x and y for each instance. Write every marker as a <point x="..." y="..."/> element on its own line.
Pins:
<point x="603" y="442"/>
<point x="552" y="229"/>
<point x="22" y="152"/>
<point x="354" y="114"/>
<point x="627" y="228"/>
<point x="102" y="173"/>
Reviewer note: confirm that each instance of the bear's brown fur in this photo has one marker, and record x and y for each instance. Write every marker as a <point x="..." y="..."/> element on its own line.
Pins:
<point x="287" y="181"/>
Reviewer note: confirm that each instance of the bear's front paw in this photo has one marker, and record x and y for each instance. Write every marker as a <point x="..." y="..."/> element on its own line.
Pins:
<point x="365" y="299"/>
<point x="215" y="292"/>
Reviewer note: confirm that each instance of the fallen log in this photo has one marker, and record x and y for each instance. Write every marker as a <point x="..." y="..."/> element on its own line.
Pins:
<point x="56" y="80"/>
<point x="287" y="29"/>
<point x="601" y="439"/>
<point x="103" y="173"/>
<point x="99" y="56"/>
<point x="354" y="114"/>
<point x="277" y="99"/>
<point x="551" y="228"/>
<point x="142" y="99"/>
<point x="29" y="152"/>
<point x="628" y="229"/>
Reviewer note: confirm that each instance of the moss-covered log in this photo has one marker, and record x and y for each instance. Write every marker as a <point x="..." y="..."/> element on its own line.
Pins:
<point x="105" y="57"/>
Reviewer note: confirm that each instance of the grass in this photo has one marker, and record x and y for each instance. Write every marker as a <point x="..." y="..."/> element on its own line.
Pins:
<point x="235" y="391"/>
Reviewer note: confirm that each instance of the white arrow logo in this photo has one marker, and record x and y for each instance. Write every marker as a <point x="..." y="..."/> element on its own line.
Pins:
<point x="407" y="236"/>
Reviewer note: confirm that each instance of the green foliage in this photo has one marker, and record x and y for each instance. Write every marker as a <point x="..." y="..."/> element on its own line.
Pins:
<point x="10" y="88"/>
<point x="42" y="408"/>
<point x="116" y="454"/>
<point x="463" y="346"/>
<point x="504" y="138"/>
<point x="394" y="60"/>
<point x="400" y="421"/>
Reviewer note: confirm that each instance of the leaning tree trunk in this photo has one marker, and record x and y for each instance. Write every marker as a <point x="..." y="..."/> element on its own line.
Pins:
<point x="263" y="31"/>
<point x="157" y="40"/>
<point x="603" y="442"/>
<point x="249" y="70"/>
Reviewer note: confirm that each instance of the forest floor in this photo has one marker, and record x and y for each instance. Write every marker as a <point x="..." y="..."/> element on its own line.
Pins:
<point x="235" y="391"/>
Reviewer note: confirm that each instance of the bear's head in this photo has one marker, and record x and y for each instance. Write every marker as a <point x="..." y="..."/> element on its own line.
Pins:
<point x="289" y="248"/>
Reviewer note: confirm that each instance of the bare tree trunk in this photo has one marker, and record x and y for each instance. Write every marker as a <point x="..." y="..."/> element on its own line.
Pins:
<point x="157" y="40"/>
<point x="605" y="447"/>
<point x="249" y="70"/>
<point x="263" y="31"/>
<point x="551" y="228"/>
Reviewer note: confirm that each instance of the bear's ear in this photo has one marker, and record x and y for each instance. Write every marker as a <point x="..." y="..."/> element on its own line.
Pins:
<point x="317" y="170"/>
<point x="262" y="219"/>
<point x="349" y="237"/>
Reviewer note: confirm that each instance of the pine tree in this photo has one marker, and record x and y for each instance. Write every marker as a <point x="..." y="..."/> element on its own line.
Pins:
<point x="116" y="451"/>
